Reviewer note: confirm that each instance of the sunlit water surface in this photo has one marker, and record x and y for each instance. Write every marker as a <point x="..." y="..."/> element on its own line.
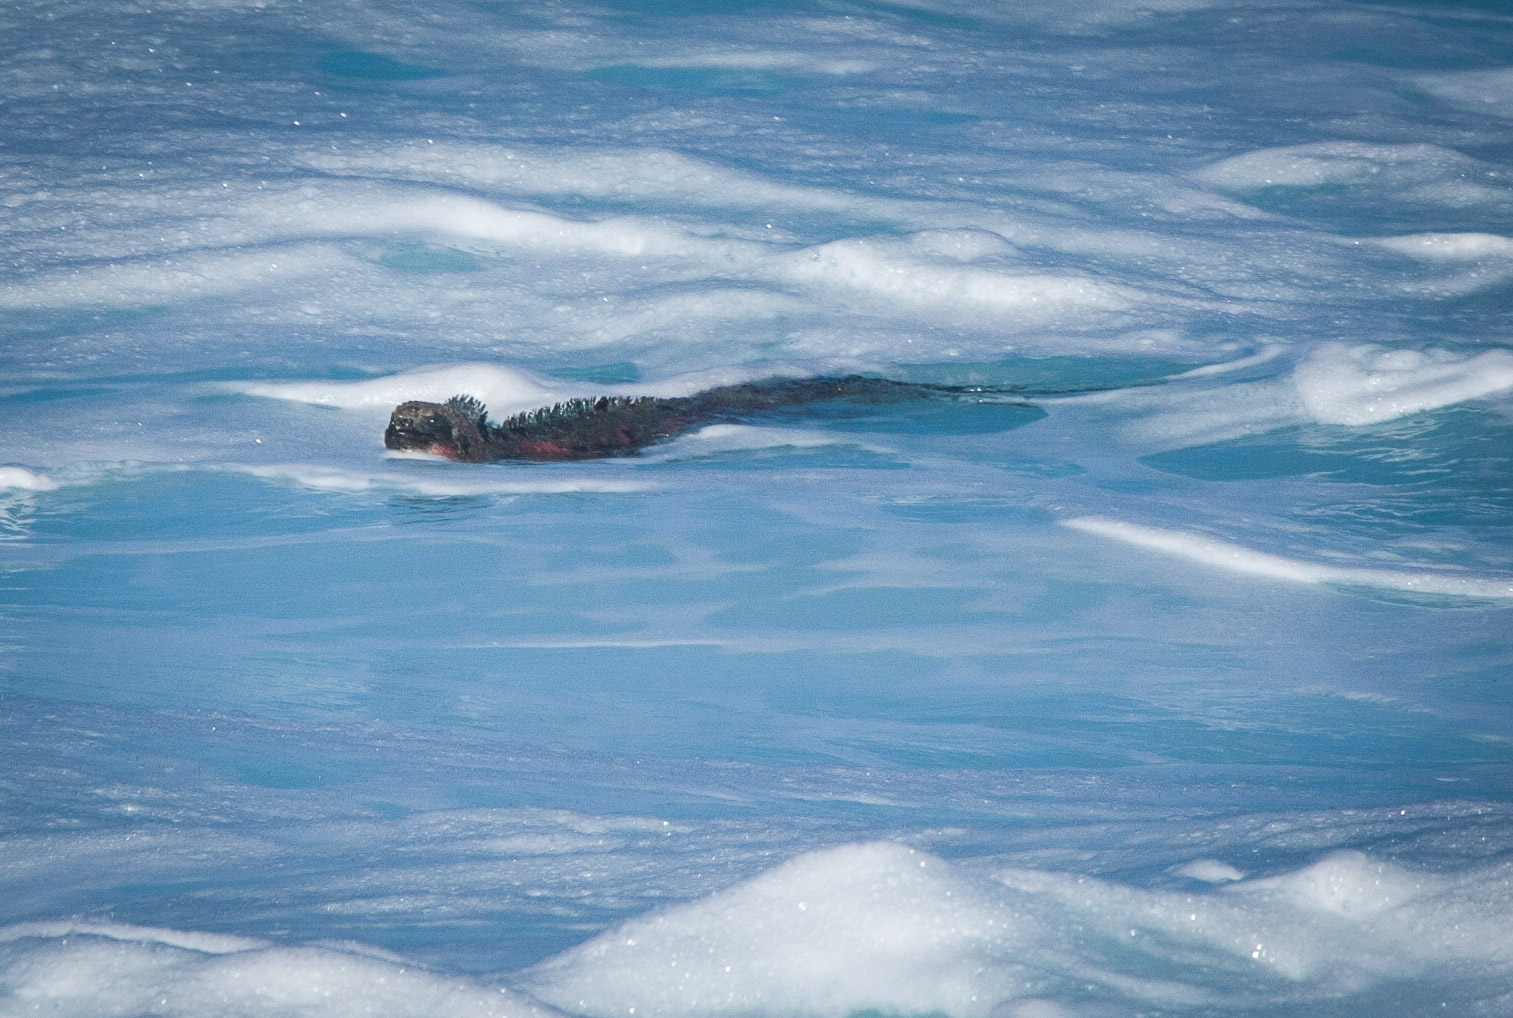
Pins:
<point x="1171" y="677"/>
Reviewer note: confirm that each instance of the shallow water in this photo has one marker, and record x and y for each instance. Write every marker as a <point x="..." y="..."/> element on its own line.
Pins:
<point x="1172" y="680"/>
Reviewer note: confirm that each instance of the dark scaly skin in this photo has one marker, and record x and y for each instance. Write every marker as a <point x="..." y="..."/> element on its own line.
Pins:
<point x="579" y="429"/>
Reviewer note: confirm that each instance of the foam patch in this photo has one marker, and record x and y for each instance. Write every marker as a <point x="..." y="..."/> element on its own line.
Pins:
<point x="881" y="927"/>
<point x="1338" y="162"/>
<point x="21" y="479"/>
<point x="108" y="970"/>
<point x="898" y="273"/>
<point x="1249" y="562"/>
<point x="1451" y="247"/>
<point x="497" y="386"/>
<point x="469" y="482"/>
<point x="1487" y="91"/>
<point x="876" y="926"/>
<point x="625" y="174"/>
<point x="1210" y="871"/>
<point x="1359" y="385"/>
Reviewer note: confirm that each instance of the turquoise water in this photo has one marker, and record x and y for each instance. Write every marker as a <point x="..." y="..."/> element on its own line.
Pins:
<point x="1172" y="677"/>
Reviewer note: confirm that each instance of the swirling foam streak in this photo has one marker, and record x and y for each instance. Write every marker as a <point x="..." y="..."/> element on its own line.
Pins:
<point x="19" y="478"/>
<point x="1488" y="91"/>
<point x="334" y="479"/>
<point x="641" y="174"/>
<point x="866" y="268"/>
<point x="500" y="388"/>
<point x="1247" y="561"/>
<point x="1466" y="262"/>
<point x="171" y="279"/>
<point x="1413" y="173"/>
<point x="1357" y="385"/>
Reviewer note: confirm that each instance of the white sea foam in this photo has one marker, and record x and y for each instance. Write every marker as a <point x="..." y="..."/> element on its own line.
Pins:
<point x="1451" y="247"/>
<point x="652" y="175"/>
<point x="1457" y="263"/>
<point x="456" y="216"/>
<point x="880" y="926"/>
<point x="907" y="273"/>
<point x="828" y="934"/>
<point x="1317" y="163"/>
<point x="1268" y="352"/>
<point x="1176" y="416"/>
<point x="816" y="46"/>
<point x="500" y="388"/>
<point x="173" y="278"/>
<point x="504" y="390"/>
<point x="378" y="211"/>
<point x="833" y="932"/>
<point x="1488" y="91"/>
<point x="497" y="482"/>
<point x="205" y="943"/>
<point x="93" y="971"/>
<point x="271" y="237"/>
<point x="1210" y="871"/>
<point x="19" y="478"/>
<point x="1359" y="385"/>
<point x="1425" y="173"/>
<point x="1338" y="926"/>
<point x="644" y="174"/>
<point x="1078" y="15"/>
<point x="722" y="438"/>
<point x="1349" y="884"/>
<point x="1239" y="559"/>
<point x="287" y="245"/>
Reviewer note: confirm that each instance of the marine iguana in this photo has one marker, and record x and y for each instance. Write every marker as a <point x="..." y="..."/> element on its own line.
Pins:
<point x="591" y="428"/>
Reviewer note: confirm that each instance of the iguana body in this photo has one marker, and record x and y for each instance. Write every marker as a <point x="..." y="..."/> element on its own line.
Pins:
<point x="578" y="429"/>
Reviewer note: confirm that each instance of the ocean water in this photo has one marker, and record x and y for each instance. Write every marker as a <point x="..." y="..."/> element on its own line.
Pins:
<point x="1172" y="677"/>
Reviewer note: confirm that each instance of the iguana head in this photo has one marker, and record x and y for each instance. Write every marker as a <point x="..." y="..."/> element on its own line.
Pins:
<point x="453" y="429"/>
